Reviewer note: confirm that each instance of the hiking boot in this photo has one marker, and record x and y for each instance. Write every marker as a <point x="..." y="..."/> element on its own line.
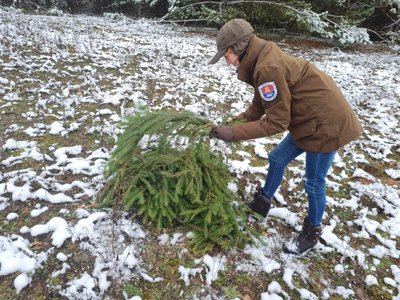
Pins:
<point x="260" y="204"/>
<point x="307" y="239"/>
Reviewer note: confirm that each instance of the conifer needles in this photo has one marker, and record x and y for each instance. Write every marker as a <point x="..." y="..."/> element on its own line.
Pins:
<point x="163" y="168"/>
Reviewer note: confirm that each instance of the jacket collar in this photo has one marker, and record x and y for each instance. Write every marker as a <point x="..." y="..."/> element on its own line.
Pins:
<point x="246" y="68"/>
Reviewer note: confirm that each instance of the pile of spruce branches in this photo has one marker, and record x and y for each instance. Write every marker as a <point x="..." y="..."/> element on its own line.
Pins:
<point x="164" y="169"/>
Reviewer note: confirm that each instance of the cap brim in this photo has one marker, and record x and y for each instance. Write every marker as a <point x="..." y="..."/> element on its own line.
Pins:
<point x="217" y="57"/>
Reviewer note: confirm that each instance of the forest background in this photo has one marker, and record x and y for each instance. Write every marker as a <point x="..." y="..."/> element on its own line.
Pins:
<point x="341" y="22"/>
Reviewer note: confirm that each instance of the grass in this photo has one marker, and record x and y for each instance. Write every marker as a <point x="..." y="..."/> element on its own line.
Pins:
<point x="132" y="290"/>
<point x="163" y="261"/>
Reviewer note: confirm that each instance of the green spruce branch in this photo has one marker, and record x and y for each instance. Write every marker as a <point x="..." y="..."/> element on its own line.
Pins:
<point x="164" y="169"/>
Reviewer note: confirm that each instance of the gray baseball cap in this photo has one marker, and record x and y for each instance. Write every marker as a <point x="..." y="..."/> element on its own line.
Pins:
<point x="233" y="32"/>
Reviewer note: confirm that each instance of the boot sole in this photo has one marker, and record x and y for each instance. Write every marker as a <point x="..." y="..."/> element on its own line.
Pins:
<point x="288" y="251"/>
<point x="255" y="215"/>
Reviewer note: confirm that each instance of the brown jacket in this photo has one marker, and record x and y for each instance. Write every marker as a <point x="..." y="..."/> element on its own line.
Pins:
<point x="308" y="103"/>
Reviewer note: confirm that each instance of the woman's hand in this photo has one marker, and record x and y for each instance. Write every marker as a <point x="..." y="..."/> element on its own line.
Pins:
<point x="224" y="133"/>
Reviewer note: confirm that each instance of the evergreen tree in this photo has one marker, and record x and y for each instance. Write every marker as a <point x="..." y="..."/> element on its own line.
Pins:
<point x="163" y="168"/>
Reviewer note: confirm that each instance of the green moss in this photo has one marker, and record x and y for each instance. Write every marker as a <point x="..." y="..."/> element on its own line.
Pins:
<point x="221" y="282"/>
<point x="342" y="193"/>
<point x="169" y="266"/>
<point x="376" y="292"/>
<point x="231" y="292"/>
<point x="242" y="279"/>
<point x="385" y="263"/>
<point x="53" y="281"/>
<point x="344" y="214"/>
<point x="132" y="290"/>
<point x="383" y="234"/>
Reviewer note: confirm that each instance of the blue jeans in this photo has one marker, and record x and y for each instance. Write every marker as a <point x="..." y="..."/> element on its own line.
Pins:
<point x="317" y="166"/>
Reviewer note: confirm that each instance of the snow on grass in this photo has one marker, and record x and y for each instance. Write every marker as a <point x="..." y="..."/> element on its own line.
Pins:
<point x="38" y="211"/>
<point x="16" y="256"/>
<point x="59" y="228"/>
<point x="21" y="281"/>
<point x="66" y="83"/>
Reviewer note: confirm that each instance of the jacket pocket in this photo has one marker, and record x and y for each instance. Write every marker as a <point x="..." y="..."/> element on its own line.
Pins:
<point x="329" y="137"/>
<point x="304" y="130"/>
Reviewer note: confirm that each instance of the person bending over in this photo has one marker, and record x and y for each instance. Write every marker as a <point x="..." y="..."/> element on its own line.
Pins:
<point x="290" y="94"/>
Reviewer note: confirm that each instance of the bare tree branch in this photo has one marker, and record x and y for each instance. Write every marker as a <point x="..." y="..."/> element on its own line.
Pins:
<point x="395" y="22"/>
<point x="183" y="21"/>
<point x="376" y="33"/>
<point x="220" y="4"/>
<point x="22" y="3"/>
<point x="322" y="16"/>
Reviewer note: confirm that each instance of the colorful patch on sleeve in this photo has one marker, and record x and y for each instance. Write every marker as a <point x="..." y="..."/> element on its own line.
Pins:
<point x="268" y="91"/>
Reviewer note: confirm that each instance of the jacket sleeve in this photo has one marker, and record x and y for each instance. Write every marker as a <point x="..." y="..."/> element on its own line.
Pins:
<point x="277" y="111"/>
